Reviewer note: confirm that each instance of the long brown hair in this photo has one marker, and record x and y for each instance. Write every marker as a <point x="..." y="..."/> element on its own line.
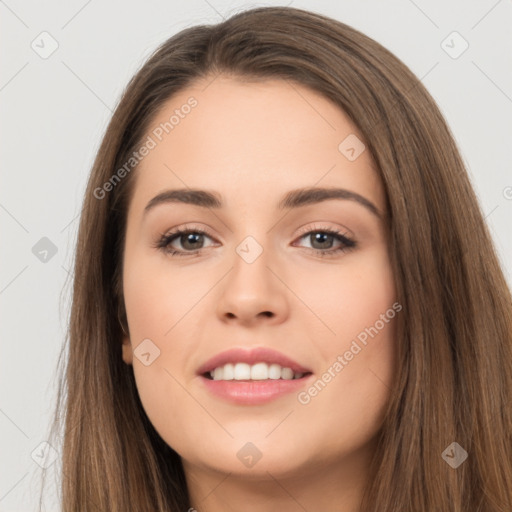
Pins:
<point x="454" y="382"/>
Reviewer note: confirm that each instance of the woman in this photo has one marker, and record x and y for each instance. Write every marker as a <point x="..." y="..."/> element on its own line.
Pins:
<point x="215" y="361"/>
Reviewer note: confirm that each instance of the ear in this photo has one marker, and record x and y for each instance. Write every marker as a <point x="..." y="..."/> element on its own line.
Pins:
<point x="127" y="350"/>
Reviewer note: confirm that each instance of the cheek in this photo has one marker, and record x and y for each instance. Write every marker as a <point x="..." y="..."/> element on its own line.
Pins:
<point x="154" y="297"/>
<point x="369" y="294"/>
<point x="366" y="327"/>
<point x="359" y="355"/>
<point x="157" y="308"/>
<point x="350" y="297"/>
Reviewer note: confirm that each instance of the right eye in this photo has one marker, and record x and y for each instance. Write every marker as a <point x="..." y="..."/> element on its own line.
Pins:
<point x="186" y="237"/>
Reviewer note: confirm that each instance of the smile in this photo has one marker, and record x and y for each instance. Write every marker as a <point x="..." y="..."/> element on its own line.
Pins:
<point x="251" y="376"/>
<point x="258" y="371"/>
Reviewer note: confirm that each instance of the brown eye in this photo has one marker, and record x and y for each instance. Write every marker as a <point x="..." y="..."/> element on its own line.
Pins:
<point x="322" y="241"/>
<point x="189" y="242"/>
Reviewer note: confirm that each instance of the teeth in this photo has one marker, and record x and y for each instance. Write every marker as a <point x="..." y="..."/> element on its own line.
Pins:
<point x="228" y="372"/>
<point x="274" y="371"/>
<point x="258" y="371"/>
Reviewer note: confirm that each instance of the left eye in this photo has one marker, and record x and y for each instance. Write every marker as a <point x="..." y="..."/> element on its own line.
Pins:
<point x="192" y="241"/>
<point x="325" y="238"/>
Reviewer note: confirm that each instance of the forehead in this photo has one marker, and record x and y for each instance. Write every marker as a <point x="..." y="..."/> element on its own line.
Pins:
<point x="252" y="141"/>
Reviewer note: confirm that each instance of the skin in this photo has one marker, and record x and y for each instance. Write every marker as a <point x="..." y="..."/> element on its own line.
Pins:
<point x="252" y="142"/>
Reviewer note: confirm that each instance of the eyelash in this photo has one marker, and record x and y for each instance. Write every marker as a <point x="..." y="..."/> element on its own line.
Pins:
<point x="165" y="240"/>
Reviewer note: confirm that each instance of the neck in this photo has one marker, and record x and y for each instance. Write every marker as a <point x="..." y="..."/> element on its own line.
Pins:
<point x="336" y="487"/>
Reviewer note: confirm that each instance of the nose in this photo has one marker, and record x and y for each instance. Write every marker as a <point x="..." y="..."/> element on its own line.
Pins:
<point x="253" y="292"/>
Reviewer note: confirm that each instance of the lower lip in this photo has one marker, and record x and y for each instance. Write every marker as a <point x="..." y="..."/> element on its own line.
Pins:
<point x="253" y="392"/>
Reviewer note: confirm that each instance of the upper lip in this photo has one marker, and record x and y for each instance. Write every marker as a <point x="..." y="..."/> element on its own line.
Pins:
<point x="251" y="356"/>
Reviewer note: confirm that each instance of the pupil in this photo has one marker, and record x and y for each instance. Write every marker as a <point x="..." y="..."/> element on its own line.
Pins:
<point x="190" y="239"/>
<point x="318" y="238"/>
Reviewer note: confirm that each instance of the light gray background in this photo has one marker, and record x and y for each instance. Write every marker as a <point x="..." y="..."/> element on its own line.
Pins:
<point x="55" y="110"/>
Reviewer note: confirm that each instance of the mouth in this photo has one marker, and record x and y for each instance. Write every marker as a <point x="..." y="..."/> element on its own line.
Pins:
<point x="252" y="377"/>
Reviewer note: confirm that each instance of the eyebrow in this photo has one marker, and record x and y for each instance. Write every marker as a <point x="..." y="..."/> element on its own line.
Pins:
<point x="292" y="199"/>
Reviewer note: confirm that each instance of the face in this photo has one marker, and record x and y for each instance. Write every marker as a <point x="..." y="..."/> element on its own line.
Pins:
<point x="307" y="286"/>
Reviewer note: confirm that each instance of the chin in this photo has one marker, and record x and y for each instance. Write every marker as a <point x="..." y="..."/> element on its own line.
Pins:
<point x="253" y="459"/>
